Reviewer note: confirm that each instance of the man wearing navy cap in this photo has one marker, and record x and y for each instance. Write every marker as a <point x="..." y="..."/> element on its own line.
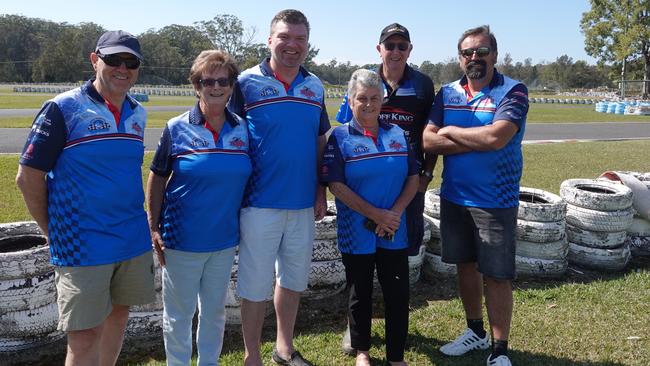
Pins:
<point x="80" y="176"/>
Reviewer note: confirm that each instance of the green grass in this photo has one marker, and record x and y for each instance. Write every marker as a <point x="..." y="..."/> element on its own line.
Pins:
<point x="586" y="319"/>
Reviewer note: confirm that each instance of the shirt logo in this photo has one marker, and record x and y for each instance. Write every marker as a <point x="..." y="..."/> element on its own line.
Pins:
<point x="360" y="149"/>
<point x="395" y="145"/>
<point x="269" y="91"/>
<point x="99" y="125"/>
<point x="199" y="142"/>
<point x="455" y="100"/>
<point x="28" y="152"/>
<point x="307" y="93"/>
<point x="237" y="142"/>
<point x="136" y="127"/>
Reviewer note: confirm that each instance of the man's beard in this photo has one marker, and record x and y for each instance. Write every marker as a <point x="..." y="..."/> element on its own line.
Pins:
<point x="476" y="69"/>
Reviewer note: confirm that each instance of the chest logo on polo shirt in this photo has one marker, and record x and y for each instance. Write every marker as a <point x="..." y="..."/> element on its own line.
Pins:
<point x="395" y="145"/>
<point x="199" y="142"/>
<point x="237" y="142"/>
<point x="136" y="127"/>
<point x="455" y="100"/>
<point x="99" y="125"/>
<point x="360" y="149"/>
<point x="269" y="91"/>
<point x="307" y="93"/>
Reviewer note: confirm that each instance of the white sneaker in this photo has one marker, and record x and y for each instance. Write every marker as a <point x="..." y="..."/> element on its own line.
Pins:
<point x="465" y="342"/>
<point x="499" y="361"/>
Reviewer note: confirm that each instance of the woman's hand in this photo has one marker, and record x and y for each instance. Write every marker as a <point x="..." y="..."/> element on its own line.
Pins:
<point x="158" y="246"/>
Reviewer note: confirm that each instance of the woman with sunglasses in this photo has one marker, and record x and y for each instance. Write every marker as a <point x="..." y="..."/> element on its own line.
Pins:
<point x="371" y="170"/>
<point x="194" y="193"/>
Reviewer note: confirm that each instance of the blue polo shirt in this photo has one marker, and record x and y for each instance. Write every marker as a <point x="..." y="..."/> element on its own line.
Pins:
<point x="200" y="211"/>
<point x="488" y="179"/>
<point x="94" y="177"/>
<point x="374" y="171"/>
<point x="284" y="126"/>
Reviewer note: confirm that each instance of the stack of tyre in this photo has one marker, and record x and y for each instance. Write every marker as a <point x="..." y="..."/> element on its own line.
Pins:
<point x="327" y="273"/>
<point x="638" y="234"/>
<point x="598" y="216"/>
<point x="433" y="266"/>
<point x="542" y="245"/>
<point x="28" y="309"/>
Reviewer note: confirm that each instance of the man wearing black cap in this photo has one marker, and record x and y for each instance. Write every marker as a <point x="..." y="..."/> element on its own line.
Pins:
<point x="80" y="176"/>
<point x="408" y="96"/>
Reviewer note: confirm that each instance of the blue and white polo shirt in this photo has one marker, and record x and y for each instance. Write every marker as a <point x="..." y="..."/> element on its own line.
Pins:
<point x="488" y="179"/>
<point x="94" y="177"/>
<point x="200" y="211"/>
<point x="376" y="172"/>
<point x="284" y="126"/>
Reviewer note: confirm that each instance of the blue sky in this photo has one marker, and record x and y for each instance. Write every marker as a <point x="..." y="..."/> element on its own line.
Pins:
<point x="349" y="30"/>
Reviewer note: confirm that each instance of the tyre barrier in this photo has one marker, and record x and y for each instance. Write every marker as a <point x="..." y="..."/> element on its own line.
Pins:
<point x="432" y="203"/>
<point x="433" y="267"/>
<point x="638" y="237"/>
<point x="599" y="213"/>
<point x="541" y="247"/>
<point x="415" y="266"/>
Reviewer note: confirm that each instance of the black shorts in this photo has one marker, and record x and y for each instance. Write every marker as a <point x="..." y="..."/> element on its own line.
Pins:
<point x="486" y="236"/>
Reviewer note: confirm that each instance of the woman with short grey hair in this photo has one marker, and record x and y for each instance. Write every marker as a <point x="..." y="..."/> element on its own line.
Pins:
<point x="371" y="170"/>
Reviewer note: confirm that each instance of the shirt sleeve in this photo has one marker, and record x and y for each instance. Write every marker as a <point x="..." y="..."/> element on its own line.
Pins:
<point x="162" y="160"/>
<point x="332" y="165"/>
<point x="324" y="120"/>
<point x="413" y="163"/>
<point x="345" y="112"/>
<point x="514" y="106"/>
<point x="236" y="102"/>
<point x="46" y="139"/>
<point x="436" y="115"/>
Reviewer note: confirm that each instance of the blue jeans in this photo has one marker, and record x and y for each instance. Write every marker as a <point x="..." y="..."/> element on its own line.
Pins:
<point x="188" y="277"/>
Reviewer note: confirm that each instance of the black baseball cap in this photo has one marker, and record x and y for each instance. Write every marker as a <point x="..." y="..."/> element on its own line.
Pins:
<point x="394" y="29"/>
<point x="118" y="41"/>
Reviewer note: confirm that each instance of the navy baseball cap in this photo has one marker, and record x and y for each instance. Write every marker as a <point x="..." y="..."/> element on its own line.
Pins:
<point x="392" y="30"/>
<point x="118" y="41"/>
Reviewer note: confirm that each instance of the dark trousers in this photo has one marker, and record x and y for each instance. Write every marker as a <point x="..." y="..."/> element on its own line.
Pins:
<point x="415" y="223"/>
<point x="392" y="271"/>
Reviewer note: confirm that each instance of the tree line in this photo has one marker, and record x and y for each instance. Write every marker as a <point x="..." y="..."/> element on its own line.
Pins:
<point x="38" y="50"/>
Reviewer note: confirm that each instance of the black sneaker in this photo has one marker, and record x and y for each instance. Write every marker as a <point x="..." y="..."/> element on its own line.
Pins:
<point x="295" y="359"/>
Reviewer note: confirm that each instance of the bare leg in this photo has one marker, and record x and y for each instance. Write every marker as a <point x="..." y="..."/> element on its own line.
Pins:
<point x="286" y="308"/>
<point x="113" y="335"/>
<point x="498" y="299"/>
<point x="363" y="359"/>
<point x="83" y="347"/>
<point x="252" y="320"/>
<point x="470" y="286"/>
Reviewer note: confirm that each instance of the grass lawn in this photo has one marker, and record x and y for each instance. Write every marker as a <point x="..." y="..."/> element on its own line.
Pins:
<point x="587" y="318"/>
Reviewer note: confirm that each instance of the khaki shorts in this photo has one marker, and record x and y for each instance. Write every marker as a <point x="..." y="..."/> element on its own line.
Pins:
<point x="86" y="295"/>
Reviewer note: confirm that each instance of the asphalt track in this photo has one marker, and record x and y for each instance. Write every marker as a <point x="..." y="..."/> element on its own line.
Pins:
<point x="13" y="139"/>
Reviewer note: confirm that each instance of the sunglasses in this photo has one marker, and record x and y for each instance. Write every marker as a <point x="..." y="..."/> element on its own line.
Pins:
<point x="480" y="52"/>
<point x="402" y="46"/>
<point x="223" y="82"/>
<point x="114" y="60"/>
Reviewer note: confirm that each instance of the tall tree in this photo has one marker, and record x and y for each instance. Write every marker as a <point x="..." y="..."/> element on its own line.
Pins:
<point x="227" y="33"/>
<point x="619" y="30"/>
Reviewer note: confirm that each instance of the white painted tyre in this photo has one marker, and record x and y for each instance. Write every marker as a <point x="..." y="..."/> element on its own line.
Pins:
<point x="435" y="225"/>
<point x="594" y="220"/>
<point x="434" y="267"/>
<point x="415" y="265"/>
<point x="144" y="323"/>
<point x="432" y="202"/>
<point x="639" y="227"/>
<point x="596" y="194"/>
<point x="433" y="246"/>
<point x="27" y="293"/>
<point x="31" y="322"/>
<point x="326" y="228"/>
<point x="325" y="250"/>
<point x="428" y="228"/>
<point x="8" y="344"/>
<point x="613" y="259"/>
<point x="536" y="267"/>
<point x="595" y="239"/>
<point x="540" y="232"/>
<point x="540" y="205"/>
<point x="551" y="250"/>
<point x="639" y="245"/>
<point x="23" y="251"/>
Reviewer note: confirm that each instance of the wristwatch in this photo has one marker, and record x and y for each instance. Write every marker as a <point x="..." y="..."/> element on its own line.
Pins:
<point x="427" y="174"/>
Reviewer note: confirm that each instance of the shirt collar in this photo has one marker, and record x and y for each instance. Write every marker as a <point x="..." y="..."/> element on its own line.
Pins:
<point x="356" y="129"/>
<point x="405" y="76"/>
<point x="197" y="118"/>
<point x="89" y="88"/>
<point x="265" y="66"/>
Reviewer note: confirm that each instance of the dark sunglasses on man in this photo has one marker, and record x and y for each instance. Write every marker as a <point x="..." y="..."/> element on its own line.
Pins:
<point x="116" y="60"/>
<point x="223" y="82"/>
<point x="402" y="46"/>
<point x="480" y="52"/>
